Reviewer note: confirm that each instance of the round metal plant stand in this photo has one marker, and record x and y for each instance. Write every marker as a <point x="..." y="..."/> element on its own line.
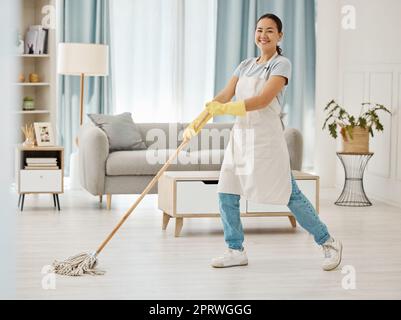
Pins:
<point x="353" y="193"/>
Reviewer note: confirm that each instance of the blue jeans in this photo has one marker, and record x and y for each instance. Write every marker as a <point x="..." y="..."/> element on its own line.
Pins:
<point x="299" y="205"/>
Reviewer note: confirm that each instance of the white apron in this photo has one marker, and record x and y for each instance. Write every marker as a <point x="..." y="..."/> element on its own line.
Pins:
<point x="256" y="161"/>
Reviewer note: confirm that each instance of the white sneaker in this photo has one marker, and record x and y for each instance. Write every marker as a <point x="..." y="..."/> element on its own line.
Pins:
<point x="230" y="258"/>
<point x="332" y="254"/>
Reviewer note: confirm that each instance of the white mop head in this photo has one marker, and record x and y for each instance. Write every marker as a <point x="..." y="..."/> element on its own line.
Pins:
<point x="78" y="265"/>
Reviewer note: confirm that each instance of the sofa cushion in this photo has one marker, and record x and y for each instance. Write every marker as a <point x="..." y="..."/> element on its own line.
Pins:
<point x="209" y="160"/>
<point x="161" y="135"/>
<point x="146" y="162"/>
<point x="121" y="131"/>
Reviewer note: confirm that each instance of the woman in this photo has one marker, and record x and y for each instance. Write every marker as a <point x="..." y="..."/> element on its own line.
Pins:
<point x="256" y="163"/>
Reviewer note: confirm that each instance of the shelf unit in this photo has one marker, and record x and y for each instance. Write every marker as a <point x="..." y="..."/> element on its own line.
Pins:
<point x="33" y="55"/>
<point x="37" y="111"/>
<point x="43" y="92"/>
<point x="32" y="84"/>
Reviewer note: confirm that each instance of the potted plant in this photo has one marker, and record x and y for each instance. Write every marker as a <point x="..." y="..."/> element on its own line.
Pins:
<point x="354" y="131"/>
<point x="28" y="104"/>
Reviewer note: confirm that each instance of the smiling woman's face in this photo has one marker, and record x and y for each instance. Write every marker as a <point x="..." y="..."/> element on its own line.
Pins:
<point x="267" y="35"/>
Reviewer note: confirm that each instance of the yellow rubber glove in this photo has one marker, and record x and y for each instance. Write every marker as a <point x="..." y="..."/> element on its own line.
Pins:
<point x="196" y="126"/>
<point x="236" y="108"/>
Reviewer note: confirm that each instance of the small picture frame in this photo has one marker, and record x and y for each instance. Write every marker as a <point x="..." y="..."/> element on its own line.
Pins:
<point x="44" y="134"/>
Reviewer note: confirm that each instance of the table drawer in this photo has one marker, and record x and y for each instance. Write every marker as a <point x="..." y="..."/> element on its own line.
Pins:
<point x="40" y="181"/>
<point x="197" y="197"/>
<point x="307" y="187"/>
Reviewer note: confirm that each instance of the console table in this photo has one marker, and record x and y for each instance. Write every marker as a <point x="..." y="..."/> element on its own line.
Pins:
<point x="193" y="194"/>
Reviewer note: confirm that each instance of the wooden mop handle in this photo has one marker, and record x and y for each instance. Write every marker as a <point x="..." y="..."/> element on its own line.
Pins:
<point x="147" y="189"/>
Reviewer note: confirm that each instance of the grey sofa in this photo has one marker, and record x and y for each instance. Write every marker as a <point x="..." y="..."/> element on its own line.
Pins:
<point x="129" y="172"/>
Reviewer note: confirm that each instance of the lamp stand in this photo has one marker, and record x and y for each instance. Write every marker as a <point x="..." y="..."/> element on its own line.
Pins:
<point x="74" y="160"/>
<point x="81" y="101"/>
<point x="81" y="104"/>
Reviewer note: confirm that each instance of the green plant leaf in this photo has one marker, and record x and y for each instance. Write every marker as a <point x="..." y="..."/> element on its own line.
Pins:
<point x="349" y="131"/>
<point x="362" y="122"/>
<point x="379" y="126"/>
<point x="352" y="121"/>
<point x="333" y="130"/>
<point x="329" y="104"/>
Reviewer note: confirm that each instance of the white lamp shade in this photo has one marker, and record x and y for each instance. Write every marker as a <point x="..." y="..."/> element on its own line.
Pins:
<point x="88" y="58"/>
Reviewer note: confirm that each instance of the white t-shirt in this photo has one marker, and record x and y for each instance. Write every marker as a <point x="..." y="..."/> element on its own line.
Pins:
<point x="279" y="66"/>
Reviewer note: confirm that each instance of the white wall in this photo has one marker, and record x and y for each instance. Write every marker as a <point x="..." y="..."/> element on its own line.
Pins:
<point x="8" y="128"/>
<point x="359" y="65"/>
<point x="327" y="39"/>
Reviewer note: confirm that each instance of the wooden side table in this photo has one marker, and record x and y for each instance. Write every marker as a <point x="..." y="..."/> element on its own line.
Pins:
<point x="39" y="175"/>
<point x="193" y="194"/>
<point x="353" y="193"/>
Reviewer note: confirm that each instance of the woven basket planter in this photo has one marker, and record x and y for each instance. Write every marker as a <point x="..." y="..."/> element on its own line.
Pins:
<point x="359" y="143"/>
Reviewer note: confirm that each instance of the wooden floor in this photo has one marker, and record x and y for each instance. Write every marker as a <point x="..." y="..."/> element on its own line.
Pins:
<point x="144" y="262"/>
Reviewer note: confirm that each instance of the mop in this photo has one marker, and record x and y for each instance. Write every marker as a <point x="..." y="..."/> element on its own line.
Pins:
<point x="85" y="263"/>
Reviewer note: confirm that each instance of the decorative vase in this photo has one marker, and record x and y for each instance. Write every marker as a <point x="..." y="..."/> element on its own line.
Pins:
<point x="359" y="143"/>
<point x="29" y="142"/>
<point x="28" y="105"/>
<point x="33" y="77"/>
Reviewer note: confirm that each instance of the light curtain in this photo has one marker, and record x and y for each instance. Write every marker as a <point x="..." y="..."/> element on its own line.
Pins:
<point x="163" y="57"/>
<point x="87" y="22"/>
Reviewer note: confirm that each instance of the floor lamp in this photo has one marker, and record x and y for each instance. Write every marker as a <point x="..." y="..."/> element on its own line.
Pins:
<point x="81" y="59"/>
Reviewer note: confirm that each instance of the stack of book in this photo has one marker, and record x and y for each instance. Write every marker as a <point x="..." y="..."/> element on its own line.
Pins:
<point x="41" y="164"/>
<point x="36" y="40"/>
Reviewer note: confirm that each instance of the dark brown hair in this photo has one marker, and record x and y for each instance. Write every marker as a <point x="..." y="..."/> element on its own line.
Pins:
<point x="279" y="25"/>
